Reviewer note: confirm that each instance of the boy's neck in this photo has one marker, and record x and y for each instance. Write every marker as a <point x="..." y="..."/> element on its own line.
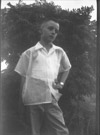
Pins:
<point x="46" y="45"/>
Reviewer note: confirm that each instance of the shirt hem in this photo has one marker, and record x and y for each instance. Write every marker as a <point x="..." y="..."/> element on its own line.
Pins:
<point x="38" y="103"/>
<point x="19" y="73"/>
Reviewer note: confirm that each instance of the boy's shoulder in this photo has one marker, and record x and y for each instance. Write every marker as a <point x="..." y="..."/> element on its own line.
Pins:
<point x="29" y="50"/>
<point x="58" y="48"/>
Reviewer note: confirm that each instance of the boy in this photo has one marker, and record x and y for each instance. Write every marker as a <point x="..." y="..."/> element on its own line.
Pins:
<point x="39" y="67"/>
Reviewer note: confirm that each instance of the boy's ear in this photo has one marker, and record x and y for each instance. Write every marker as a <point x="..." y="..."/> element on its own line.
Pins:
<point x="40" y="31"/>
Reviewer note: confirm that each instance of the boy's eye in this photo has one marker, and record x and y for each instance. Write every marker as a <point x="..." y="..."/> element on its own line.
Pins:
<point x="57" y="31"/>
<point x="52" y="28"/>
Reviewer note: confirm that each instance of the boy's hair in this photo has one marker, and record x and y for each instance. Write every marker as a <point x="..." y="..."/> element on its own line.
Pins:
<point x="47" y="20"/>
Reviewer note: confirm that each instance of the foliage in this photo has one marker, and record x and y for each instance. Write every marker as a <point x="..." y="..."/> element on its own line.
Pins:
<point x="20" y="30"/>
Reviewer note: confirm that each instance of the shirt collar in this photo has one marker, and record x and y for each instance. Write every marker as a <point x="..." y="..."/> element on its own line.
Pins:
<point x="39" y="46"/>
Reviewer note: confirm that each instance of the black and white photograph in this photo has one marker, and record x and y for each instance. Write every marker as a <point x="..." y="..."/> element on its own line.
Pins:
<point x="49" y="83"/>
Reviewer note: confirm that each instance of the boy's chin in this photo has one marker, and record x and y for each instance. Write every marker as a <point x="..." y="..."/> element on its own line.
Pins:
<point x="51" y="40"/>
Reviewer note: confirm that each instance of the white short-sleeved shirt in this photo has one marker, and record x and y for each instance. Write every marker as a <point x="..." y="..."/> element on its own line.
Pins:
<point x="41" y="68"/>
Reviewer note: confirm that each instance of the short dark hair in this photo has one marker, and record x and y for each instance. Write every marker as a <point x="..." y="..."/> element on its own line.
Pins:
<point x="47" y="20"/>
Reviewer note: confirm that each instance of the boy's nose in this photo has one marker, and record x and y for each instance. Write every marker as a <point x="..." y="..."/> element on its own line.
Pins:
<point x="53" y="31"/>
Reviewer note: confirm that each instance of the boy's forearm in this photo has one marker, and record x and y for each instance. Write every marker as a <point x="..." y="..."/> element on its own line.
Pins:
<point x="59" y="83"/>
<point x="63" y="76"/>
<point x="22" y="83"/>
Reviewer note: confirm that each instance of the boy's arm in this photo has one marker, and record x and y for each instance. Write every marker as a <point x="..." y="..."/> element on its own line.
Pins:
<point x="22" y="84"/>
<point x="64" y="71"/>
<point x="62" y="77"/>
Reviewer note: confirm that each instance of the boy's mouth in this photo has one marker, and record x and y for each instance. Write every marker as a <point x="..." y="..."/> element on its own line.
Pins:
<point x="51" y="36"/>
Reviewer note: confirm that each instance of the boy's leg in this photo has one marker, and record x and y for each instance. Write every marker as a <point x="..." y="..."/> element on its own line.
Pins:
<point x="36" y="119"/>
<point x="55" y="118"/>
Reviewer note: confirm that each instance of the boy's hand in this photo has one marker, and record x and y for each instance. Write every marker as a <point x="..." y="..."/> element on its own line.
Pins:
<point x="57" y="85"/>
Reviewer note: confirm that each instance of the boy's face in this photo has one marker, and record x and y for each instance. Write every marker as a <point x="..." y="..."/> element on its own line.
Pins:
<point x="49" y="31"/>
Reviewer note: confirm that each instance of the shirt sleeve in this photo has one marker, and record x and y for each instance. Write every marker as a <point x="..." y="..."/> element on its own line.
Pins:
<point x="22" y="65"/>
<point x="65" y="63"/>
